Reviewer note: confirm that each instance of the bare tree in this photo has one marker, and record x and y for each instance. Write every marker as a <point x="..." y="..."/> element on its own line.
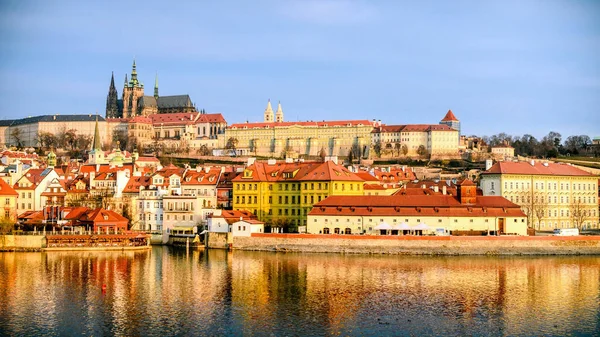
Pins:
<point x="404" y="149"/>
<point x="17" y="136"/>
<point x="540" y="209"/>
<point x="579" y="213"/>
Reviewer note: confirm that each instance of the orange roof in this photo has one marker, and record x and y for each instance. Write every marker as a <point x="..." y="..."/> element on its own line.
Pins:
<point x="134" y="183"/>
<point x="306" y="124"/>
<point x="508" y="167"/>
<point x="449" y="117"/>
<point x="193" y="177"/>
<point x="141" y="119"/>
<point x="415" y="205"/>
<point x="366" y="176"/>
<point x="180" y="118"/>
<point x="413" y="128"/>
<point x="306" y="171"/>
<point x="99" y="214"/>
<point x="211" y="118"/>
<point x="6" y="189"/>
<point x="232" y="216"/>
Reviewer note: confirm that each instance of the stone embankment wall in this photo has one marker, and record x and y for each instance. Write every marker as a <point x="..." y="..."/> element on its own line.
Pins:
<point x="219" y="240"/>
<point x="22" y="242"/>
<point x="414" y="245"/>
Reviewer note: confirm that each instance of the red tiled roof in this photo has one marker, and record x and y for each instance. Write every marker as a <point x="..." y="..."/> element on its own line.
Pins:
<point x="134" y="183"/>
<point x="413" y="128"/>
<point x="449" y="117"/>
<point x="6" y="189"/>
<point x="508" y="167"/>
<point x="180" y="118"/>
<point x="306" y="171"/>
<point x="193" y="177"/>
<point x="417" y="205"/>
<point x="366" y="176"/>
<point x="306" y="124"/>
<point x="141" y="119"/>
<point x="211" y="118"/>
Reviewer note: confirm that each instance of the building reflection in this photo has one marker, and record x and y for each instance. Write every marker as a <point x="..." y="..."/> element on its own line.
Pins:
<point x="181" y="292"/>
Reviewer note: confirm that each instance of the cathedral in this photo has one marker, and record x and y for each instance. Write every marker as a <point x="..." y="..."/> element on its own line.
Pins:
<point x="134" y="103"/>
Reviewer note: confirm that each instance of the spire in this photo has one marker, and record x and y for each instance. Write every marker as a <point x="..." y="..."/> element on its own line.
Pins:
<point x="269" y="109"/>
<point x="112" y="106"/>
<point x="112" y="80"/>
<point x="125" y="79"/>
<point x="134" y="79"/>
<point x="279" y="113"/>
<point x="269" y="113"/>
<point x="156" y="86"/>
<point x="449" y="117"/>
<point x="96" y="146"/>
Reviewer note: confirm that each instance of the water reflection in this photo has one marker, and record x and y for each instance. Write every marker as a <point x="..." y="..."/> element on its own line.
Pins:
<point x="179" y="292"/>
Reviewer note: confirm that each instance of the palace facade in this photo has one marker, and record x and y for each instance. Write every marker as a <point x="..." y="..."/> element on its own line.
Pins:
<point x="276" y="138"/>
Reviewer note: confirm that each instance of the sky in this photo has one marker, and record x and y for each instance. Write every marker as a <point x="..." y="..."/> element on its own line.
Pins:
<point x="514" y="66"/>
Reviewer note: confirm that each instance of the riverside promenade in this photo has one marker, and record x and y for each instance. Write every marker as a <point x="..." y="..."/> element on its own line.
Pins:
<point x="70" y="241"/>
<point x="415" y="245"/>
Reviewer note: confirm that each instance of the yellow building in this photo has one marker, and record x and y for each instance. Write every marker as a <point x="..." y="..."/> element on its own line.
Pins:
<point x="285" y="192"/>
<point x="8" y="200"/>
<point x="403" y="214"/>
<point x="553" y="195"/>
<point x="436" y="140"/>
<point x="503" y="152"/>
<point x="276" y="138"/>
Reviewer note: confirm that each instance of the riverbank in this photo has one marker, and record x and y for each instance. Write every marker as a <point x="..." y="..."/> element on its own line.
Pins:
<point x="418" y="245"/>
<point x="74" y="242"/>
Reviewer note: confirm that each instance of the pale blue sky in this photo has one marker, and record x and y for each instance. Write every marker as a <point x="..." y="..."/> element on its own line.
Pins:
<point x="502" y="66"/>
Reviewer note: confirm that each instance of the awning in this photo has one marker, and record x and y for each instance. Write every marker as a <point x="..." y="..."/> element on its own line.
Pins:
<point x="383" y="226"/>
<point x="403" y="226"/>
<point x="422" y="226"/>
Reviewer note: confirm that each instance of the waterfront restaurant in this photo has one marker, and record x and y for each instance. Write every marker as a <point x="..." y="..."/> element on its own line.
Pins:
<point x="418" y="214"/>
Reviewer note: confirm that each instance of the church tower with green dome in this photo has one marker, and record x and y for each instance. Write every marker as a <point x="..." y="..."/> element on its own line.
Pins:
<point x="51" y="159"/>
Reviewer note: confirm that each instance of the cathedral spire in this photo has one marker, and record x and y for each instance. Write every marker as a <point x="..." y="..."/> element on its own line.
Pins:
<point x="112" y="80"/>
<point x="134" y="79"/>
<point x="125" y="79"/>
<point x="156" y="86"/>
<point x="112" y="105"/>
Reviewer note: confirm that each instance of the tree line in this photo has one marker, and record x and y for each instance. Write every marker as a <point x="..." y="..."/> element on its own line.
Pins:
<point x="550" y="146"/>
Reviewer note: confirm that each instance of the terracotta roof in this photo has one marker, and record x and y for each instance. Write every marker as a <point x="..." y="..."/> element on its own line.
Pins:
<point x="466" y="182"/>
<point x="97" y="215"/>
<point x="141" y="119"/>
<point x="193" y="177"/>
<point x="417" y="205"/>
<point x="306" y="171"/>
<point x="211" y="118"/>
<point x="134" y="183"/>
<point x="413" y="128"/>
<point x="305" y="124"/>
<point x="180" y="118"/>
<point x="366" y="176"/>
<point x="6" y="189"/>
<point x="148" y="159"/>
<point x="449" y="117"/>
<point x="232" y="216"/>
<point x="508" y="167"/>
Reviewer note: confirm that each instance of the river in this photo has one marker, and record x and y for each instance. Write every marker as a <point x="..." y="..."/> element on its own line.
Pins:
<point x="166" y="291"/>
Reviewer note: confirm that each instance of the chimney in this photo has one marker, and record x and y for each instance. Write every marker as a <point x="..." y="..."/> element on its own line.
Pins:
<point x="206" y="169"/>
<point x="198" y="168"/>
<point x="436" y="188"/>
<point x="444" y="190"/>
<point x="532" y="162"/>
<point x="423" y="186"/>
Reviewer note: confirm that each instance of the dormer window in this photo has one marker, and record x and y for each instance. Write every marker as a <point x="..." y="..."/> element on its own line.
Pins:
<point x="105" y="217"/>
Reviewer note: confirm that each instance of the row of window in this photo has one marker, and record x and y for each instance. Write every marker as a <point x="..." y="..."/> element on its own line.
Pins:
<point x="563" y="199"/>
<point x="175" y="217"/>
<point x="549" y="186"/>
<point x="296" y="186"/>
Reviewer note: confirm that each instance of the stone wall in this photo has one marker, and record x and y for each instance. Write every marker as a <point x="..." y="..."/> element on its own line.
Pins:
<point x="22" y="242"/>
<point x="415" y="245"/>
<point x="219" y="240"/>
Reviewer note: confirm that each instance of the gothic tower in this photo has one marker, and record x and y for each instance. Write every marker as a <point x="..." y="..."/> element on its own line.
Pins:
<point x="132" y="92"/>
<point x="156" y="87"/>
<point x="279" y="114"/>
<point x="112" y="106"/>
<point x="269" y="113"/>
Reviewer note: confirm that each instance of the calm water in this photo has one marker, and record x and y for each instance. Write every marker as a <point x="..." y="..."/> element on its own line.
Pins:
<point x="173" y="292"/>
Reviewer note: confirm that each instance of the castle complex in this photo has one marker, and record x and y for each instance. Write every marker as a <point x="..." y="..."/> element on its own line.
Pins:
<point x="135" y="103"/>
